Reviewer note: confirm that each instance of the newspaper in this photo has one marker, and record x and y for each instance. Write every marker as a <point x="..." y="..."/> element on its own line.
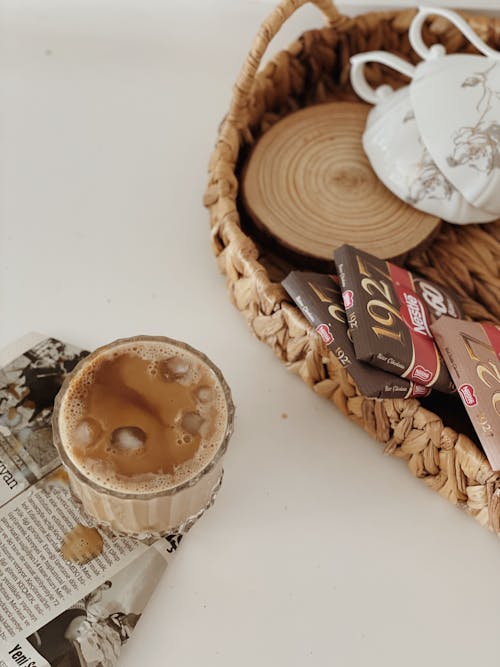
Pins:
<point x="55" y="612"/>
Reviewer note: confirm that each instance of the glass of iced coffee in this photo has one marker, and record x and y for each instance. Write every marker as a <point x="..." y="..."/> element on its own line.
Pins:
<point x="142" y="425"/>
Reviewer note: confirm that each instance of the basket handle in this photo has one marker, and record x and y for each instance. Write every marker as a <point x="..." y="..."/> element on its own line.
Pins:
<point x="438" y="50"/>
<point x="267" y="31"/>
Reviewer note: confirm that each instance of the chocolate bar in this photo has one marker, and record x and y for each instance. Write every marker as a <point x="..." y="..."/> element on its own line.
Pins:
<point x="319" y="297"/>
<point x="471" y="351"/>
<point x="389" y="311"/>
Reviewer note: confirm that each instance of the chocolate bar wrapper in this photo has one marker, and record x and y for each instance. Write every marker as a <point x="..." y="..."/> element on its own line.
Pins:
<point x="319" y="297"/>
<point x="389" y="311"/>
<point x="471" y="351"/>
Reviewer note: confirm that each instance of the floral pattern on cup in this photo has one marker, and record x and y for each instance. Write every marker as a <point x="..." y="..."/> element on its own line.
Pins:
<point x="478" y="146"/>
<point x="430" y="182"/>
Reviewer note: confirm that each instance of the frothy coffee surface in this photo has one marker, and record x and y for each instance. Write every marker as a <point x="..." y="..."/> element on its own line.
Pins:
<point x="143" y="417"/>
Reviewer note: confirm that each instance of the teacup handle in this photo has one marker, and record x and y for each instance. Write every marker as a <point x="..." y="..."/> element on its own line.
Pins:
<point x="438" y="50"/>
<point x="358" y="79"/>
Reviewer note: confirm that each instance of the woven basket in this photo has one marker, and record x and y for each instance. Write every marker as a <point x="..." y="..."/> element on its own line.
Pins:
<point x="315" y="69"/>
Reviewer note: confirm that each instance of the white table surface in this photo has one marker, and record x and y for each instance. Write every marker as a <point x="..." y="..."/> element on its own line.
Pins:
<point x="319" y="550"/>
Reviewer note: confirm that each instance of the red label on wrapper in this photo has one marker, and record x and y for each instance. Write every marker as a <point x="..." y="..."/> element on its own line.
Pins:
<point x="325" y="333"/>
<point x="421" y="374"/>
<point x="493" y="333"/>
<point x="425" y="366"/>
<point x="348" y="298"/>
<point x="420" y="390"/>
<point x="468" y="395"/>
<point x="413" y="312"/>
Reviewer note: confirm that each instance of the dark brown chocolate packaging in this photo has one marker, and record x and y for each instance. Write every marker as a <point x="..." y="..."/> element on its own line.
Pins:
<point x="471" y="351"/>
<point x="389" y="311"/>
<point x="319" y="297"/>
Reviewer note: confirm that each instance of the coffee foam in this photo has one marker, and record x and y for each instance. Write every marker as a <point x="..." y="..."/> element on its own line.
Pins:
<point x="198" y="376"/>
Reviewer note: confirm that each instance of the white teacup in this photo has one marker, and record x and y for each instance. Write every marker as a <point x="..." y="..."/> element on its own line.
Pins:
<point x="417" y="165"/>
<point x="456" y="100"/>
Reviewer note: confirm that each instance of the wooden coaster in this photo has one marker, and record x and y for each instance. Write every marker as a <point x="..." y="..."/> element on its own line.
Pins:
<point x="309" y="184"/>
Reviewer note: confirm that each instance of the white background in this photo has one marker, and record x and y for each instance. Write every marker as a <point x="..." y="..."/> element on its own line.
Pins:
<point x="319" y="550"/>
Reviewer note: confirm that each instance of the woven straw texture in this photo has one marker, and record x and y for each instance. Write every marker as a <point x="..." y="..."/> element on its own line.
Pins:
<point x="313" y="70"/>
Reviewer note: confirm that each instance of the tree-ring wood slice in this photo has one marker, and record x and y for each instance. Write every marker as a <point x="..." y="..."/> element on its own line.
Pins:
<point x="308" y="183"/>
